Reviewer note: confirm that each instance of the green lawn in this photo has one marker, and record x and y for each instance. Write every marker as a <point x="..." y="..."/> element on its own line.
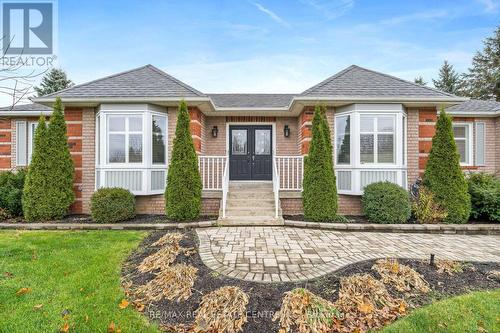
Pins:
<point x="74" y="271"/>
<point x="477" y="312"/>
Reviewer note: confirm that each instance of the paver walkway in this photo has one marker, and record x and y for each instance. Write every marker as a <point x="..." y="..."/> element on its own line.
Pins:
<point x="273" y="254"/>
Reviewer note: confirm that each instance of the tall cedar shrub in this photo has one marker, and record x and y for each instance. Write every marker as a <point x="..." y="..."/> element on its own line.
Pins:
<point x="54" y="171"/>
<point x="183" y="192"/>
<point x="320" y="193"/>
<point x="443" y="175"/>
<point x="11" y="192"/>
<point x="35" y="203"/>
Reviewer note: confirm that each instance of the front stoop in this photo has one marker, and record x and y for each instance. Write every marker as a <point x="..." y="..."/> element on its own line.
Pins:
<point x="250" y="204"/>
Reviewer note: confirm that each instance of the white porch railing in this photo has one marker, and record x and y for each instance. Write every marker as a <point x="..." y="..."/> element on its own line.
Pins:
<point x="225" y="187"/>
<point x="276" y="188"/>
<point x="290" y="172"/>
<point x="212" y="171"/>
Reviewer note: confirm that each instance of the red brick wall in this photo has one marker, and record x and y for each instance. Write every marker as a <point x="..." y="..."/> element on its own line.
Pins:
<point x="348" y="205"/>
<point x="74" y="125"/>
<point x="305" y="129"/>
<point x="5" y="143"/>
<point x="155" y="204"/>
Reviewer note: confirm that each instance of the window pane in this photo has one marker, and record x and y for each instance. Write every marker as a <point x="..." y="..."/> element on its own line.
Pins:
<point x="262" y="142"/>
<point x="343" y="140"/>
<point x="385" y="148"/>
<point x="116" y="148"/>
<point x="459" y="131"/>
<point x="135" y="124"/>
<point x="385" y="124"/>
<point x="366" y="124"/>
<point x="159" y="139"/>
<point x="239" y="142"/>
<point x="116" y="124"/>
<point x="135" y="148"/>
<point x="462" y="150"/>
<point x="366" y="148"/>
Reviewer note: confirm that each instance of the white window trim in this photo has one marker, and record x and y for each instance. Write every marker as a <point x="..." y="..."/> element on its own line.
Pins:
<point x="469" y="142"/>
<point x="146" y="166"/>
<point x="400" y="150"/>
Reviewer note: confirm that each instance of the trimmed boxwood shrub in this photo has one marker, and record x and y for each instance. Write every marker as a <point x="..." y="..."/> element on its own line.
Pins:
<point x="484" y="190"/>
<point x="443" y="175"/>
<point x="386" y="202"/>
<point x="183" y="192"/>
<point x="11" y="192"/>
<point x="109" y="205"/>
<point x="319" y="196"/>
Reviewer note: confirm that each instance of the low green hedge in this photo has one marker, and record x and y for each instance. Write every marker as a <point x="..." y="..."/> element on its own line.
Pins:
<point x="385" y="202"/>
<point x="484" y="190"/>
<point x="109" y="205"/>
<point x="11" y="192"/>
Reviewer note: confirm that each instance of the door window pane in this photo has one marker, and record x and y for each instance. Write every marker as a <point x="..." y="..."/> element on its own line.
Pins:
<point x="239" y="142"/>
<point x="262" y="142"/>
<point x="366" y="148"/>
<point x="343" y="137"/>
<point x="135" y="148"/>
<point x="117" y="148"/>
<point x="159" y="139"/>
<point x="385" y="148"/>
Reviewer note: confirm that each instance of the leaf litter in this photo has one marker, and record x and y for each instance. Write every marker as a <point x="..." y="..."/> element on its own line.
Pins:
<point x="403" y="278"/>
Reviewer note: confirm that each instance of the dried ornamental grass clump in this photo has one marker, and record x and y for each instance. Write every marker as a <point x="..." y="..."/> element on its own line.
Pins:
<point x="303" y="312"/>
<point x="401" y="277"/>
<point x="222" y="311"/>
<point x="159" y="260"/>
<point x="365" y="304"/>
<point x="172" y="283"/>
<point x="451" y="267"/>
<point x="171" y="238"/>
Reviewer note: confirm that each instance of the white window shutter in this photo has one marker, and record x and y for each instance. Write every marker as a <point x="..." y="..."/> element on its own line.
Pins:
<point x="480" y="143"/>
<point x="21" y="143"/>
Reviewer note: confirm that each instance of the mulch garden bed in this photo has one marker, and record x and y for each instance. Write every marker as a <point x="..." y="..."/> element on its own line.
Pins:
<point x="363" y="220"/>
<point x="139" y="219"/>
<point x="265" y="299"/>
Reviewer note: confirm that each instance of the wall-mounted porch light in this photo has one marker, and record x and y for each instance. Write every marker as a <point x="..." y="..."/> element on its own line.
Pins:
<point x="286" y="131"/>
<point x="215" y="131"/>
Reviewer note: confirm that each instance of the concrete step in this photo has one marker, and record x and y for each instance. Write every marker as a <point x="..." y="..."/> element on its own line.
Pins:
<point x="250" y="212"/>
<point x="247" y="195"/>
<point x="250" y="203"/>
<point x="245" y="185"/>
<point x="251" y="221"/>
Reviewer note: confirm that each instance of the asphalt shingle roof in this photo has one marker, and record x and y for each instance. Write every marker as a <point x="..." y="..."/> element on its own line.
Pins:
<point x="26" y="107"/>
<point x="251" y="100"/>
<point x="361" y="82"/>
<point x="475" y="106"/>
<point x="146" y="81"/>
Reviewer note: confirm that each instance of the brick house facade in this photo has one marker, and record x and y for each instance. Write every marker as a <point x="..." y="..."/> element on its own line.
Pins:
<point x="387" y="134"/>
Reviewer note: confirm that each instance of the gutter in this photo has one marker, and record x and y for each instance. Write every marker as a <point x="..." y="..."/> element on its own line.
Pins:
<point x="25" y="113"/>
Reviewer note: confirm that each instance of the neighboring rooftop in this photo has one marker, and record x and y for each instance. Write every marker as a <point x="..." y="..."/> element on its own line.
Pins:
<point x="356" y="81"/>
<point x="251" y="100"/>
<point x="26" y="107"/>
<point x="146" y="81"/>
<point x="475" y="106"/>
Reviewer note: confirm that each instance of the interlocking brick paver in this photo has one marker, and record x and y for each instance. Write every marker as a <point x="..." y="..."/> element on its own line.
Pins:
<point x="273" y="254"/>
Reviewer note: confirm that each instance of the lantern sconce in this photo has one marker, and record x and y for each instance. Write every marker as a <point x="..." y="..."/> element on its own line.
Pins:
<point x="215" y="131"/>
<point x="286" y="131"/>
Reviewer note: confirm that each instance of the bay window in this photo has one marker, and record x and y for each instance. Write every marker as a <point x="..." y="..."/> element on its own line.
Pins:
<point x="369" y="146"/>
<point x="131" y="148"/>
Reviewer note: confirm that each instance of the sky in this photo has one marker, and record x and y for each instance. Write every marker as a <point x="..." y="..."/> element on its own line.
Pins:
<point x="269" y="46"/>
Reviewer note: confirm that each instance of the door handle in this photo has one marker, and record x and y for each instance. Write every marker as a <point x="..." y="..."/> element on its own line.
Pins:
<point x="253" y="158"/>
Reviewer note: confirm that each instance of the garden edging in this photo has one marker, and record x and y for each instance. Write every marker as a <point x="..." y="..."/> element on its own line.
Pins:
<point x="462" y="229"/>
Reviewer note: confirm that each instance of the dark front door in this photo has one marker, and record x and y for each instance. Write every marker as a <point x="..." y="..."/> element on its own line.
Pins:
<point x="250" y="152"/>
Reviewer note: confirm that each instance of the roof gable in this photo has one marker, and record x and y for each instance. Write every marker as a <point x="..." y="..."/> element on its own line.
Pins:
<point x="146" y="81"/>
<point x="356" y="81"/>
<point x="251" y="100"/>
